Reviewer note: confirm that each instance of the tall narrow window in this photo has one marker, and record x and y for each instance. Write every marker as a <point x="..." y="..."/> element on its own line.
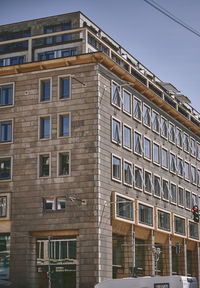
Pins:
<point x="127" y="137"/>
<point x="198" y="177"/>
<point x="116" y="168"/>
<point x="64" y="164"/>
<point x="44" y="165"/>
<point x="128" y="174"/>
<point x="193" y="174"/>
<point x="116" y="135"/>
<point x="146" y="116"/>
<point x="138" y="178"/>
<point x="187" y="199"/>
<point x="192" y="147"/>
<point x="155" y="122"/>
<point x="179" y="137"/>
<point x="165" y="189"/>
<point x="187" y="171"/>
<point x="171" y="133"/>
<point x="147" y="181"/>
<point x="163" y="127"/>
<point x="198" y="150"/>
<point x="180" y="166"/>
<point x="45" y="127"/>
<point x="180" y="196"/>
<point x="45" y="92"/>
<point x="65" y="88"/>
<point x="186" y="142"/>
<point x="157" y="186"/>
<point x="156" y="153"/>
<point x="137" y="143"/>
<point x="147" y="148"/>
<point x="194" y="199"/>
<point x="164" y="158"/>
<point x="137" y="111"/>
<point x="3" y="206"/>
<point x="127" y="102"/>
<point x="5" y="131"/>
<point x="116" y="94"/>
<point x="173" y="193"/>
<point x="6" y="95"/>
<point x="5" y="168"/>
<point x="64" y="123"/>
<point x="172" y="161"/>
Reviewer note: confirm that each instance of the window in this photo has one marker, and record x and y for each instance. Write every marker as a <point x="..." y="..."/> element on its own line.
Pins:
<point x="146" y="116"/>
<point x="137" y="111"/>
<point x="147" y="148"/>
<point x="45" y="127"/>
<point x="116" y="98"/>
<point x="116" y="135"/>
<point x="157" y="186"/>
<point x="124" y="208"/>
<point x="179" y="225"/>
<point x="128" y="174"/>
<point x="64" y="125"/>
<point x="186" y="142"/>
<point x="165" y="190"/>
<point x="194" y="199"/>
<point x="127" y="102"/>
<point x="187" y="171"/>
<point x="198" y="150"/>
<point x="155" y="122"/>
<point x="48" y="204"/>
<point x="52" y="204"/>
<point x="3" y="206"/>
<point x="179" y="137"/>
<point x="147" y="181"/>
<point x="171" y="133"/>
<point x="45" y="90"/>
<point x="138" y="178"/>
<point x="64" y="88"/>
<point x="172" y="163"/>
<point x="116" y="168"/>
<point x="137" y="143"/>
<point x="163" y="127"/>
<point x="192" y="147"/>
<point x="173" y="193"/>
<point x="5" y="131"/>
<point x="180" y="166"/>
<point x="44" y="165"/>
<point x="164" y="158"/>
<point x="60" y="204"/>
<point x="198" y="177"/>
<point x="193" y="175"/>
<point x="193" y="230"/>
<point x="6" y="95"/>
<point x="127" y="137"/>
<point x="187" y="200"/>
<point x="64" y="164"/>
<point x="5" y="168"/>
<point x="156" y="154"/>
<point x="145" y="215"/>
<point x="163" y="220"/>
<point x="180" y="196"/>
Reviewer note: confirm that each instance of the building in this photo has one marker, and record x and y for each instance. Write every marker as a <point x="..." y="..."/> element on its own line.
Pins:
<point x="99" y="160"/>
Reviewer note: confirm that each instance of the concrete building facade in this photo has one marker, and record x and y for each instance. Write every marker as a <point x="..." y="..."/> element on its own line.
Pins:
<point x="99" y="160"/>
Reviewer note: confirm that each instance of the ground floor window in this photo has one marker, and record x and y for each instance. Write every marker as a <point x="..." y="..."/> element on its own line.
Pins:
<point x="118" y="255"/>
<point x="4" y="257"/>
<point x="139" y="257"/>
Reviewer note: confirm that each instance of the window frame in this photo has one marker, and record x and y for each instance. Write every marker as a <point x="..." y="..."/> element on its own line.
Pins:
<point x="192" y="140"/>
<point x="120" y="168"/>
<point x="177" y="164"/>
<point x="163" y="118"/>
<point x="163" y="198"/>
<point x="187" y="179"/>
<point x="58" y="163"/>
<point x="142" y="178"/>
<point x="114" y="207"/>
<point x="130" y="95"/>
<point x="150" y="148"/>
<point x="120" y="132"/>
<point x="13" y="94"/>
<point x="40" y="90"/>
<point x="152" y="121"/>
<point x="172" y="202"/>
<point x="198" y="150"/>
<point x="124" y="182"/>
<point x="173" y="172"/>
<point x="138" y="220"/>
<point x="39" y="165"/>
<point x="143" y="116"/>
<point x="59" y="115"/>
<point x="181" y="135"/>
<point x="198" y="177"/>
<point x="174" y="232"/>
<point x="61" y="77"/>
<point x="172" y="125"/>
<point x="130" y="128"/>
<point x="111" y="93"/>
<point x="40" y="127"/>
<point x="137" y="153"/>
<point x="158" y="177"/>
<point x="8" y="207"/>
<point x="186" y="135"/>
<point x="11" y="168"/>
<point x="192" y="166"/>
<point x="151" y="182"/>
<point x="141" y="109"/>
<point x="156" y="144"/>
<point x="186" y="207"/>
<point x="182" y="205"/>
<point x="12" y="129"/>
<point x="157" y="221"/>
<point x="167" y="158"/>
<point x="188" y="226"/>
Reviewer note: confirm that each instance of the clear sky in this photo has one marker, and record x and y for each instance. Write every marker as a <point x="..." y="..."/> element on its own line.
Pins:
<point x="171" y="52"/>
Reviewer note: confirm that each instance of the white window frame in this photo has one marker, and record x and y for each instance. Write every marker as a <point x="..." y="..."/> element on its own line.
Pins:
<point x="167" y="181"/>
<point x="172" y="202"/>
<point x="12" y="129"/>
<point x="156" y="144"/>
<point x="120" y="134"/>
<point x="141" y="110"/>
<point x="157" y="176"/>
<point x="13" y="94"/>
<point x="120" y="97"/>
<point x="188" y="225"/>
<point x="131" y="171"/>
<point x="180" y="175"/>
<point x="60" y="77"/>
<point x="165" y="137"/>
<point x="185" y="134"/>
<point x="177" y="234"/>
<point x="148" y="107"/>
<point x="150" y="150"/>
<point x="178" y="204"/>
<point x="153" y="119"/>
<point x="181" y="135"/>
<point x="151" y="182"/>
<point x="125" y="111"/>
<point x="159" y="229"/>
<point x="39" y="127"/>
<point x="142" y="178"/>
<point x="114" y="208"/>
<point x="187" y="179"/>
<point x="141" y="224"/>
<point x="172" y="125"/>
<point x="40" y="89"/>
<point x="113" y="178"/>
<point x="189" y="209"/>
<point x="192" y="140"/>
<point x="140" y="143"/>
<point x="124" y="146"/>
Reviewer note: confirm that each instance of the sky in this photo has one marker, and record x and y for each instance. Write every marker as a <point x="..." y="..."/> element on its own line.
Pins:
<point x="167" y="49"/>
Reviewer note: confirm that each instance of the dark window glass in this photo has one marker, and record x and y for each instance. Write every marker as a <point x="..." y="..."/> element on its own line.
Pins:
<point x="45" y="90"/>
<point x="6" y="95"/>
<point x="124" y="208"/>
<point x="45" y="128"/>
<point x="48" y="204"/>
<point x="44" y="165"/>
<point x="5" y="168"/>
<point x="64" y="164"/>
<point x="5" y="131"/>
<point x="64" y="125"/>
<point x="146" y="215"/>
<point x="60" y="204"/>
<point x="163" y="220"/>
<point x="179" y="225"/>
<point x="65" y="88"/>
<point x="116" y="167"/>
<point x="3" y="206"/>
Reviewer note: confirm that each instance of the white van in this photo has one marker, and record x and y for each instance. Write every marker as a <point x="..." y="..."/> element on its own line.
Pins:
<point x="151" y="282"/>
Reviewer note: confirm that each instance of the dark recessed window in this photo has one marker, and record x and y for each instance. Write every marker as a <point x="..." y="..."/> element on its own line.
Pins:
<point x="5" y="131"/>
<point x="44" y="165"/>
<point x="65" y="88"/>
<point x="6" y="95"/>
<point x="45" y="127"/>
<point x="64" y="123"/>
<point x="5" y="168"/>
<point x="64" y="164"/>
<point x="45" y="90"/>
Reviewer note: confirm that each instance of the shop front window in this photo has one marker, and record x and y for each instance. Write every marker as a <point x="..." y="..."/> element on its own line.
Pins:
<point x="4" y="257"/>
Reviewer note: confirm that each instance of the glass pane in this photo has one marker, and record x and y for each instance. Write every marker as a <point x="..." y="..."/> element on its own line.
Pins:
<point x="65" y="88"/>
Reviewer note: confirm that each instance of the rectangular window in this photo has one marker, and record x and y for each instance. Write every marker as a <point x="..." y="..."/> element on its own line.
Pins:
<point x="64" y="164"/>
<point x="180" y="196"/>
<point x="192" y="147"/>
<point x="3" y="206"/>
<point x="48" y="204"/>
<point x="116" y="97"/>
<point x="179" y="225"/>
<point x="193" y="230"/>
<point x="128" y="174"/>
<point x="60" y="204"/>
<point x="127" y="102"/>
<point x="171" y="133"/>
<point x="193" y="175"/>
<point x="147" y="181"/>
<point x="138" y="178"/>
<point x="156" y="153"/>
<point x="186" y="142"/>
<point x="180" y="166"/>
<point x="164" y="158"/>
<point x="44" y="165"/>
<point x="155" y="122"/>
<point x="45" y="127"/>
<point x="163" y="127"/>
<point x="179" y="139"/>
<point x="116" y="168"/>
<point x="137" y="143"/>
<point x="172" y="163"/>
<point x="198" y="177"/>
<point x="145" y="215"/>
<point x="157" y="186"/>
<point x="187" y="171"/>
<point x="165" y="190"/>
<point x="6" y="95"/>
<point x="137" y="110"/>
<point x="194" y="199"/>
<point x="187" y="199"/>
<point x="147" y="148"/>
<point x="52" y="204"/>
<point x="124" y="208"/>
<point x="173" y="193"/>
<point x="163" y="220"/>
<point x="146" y="116"/>
<point x="45" y="90"/>
<point x="64" y="125"/>
<point x="5" y="131"/>
<point x="116" y="135"/>
<point x="127" y="137"/>
<point x="5" y="168"/>
<point x="65" y="90"/>
<point x="198" y="150"/>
